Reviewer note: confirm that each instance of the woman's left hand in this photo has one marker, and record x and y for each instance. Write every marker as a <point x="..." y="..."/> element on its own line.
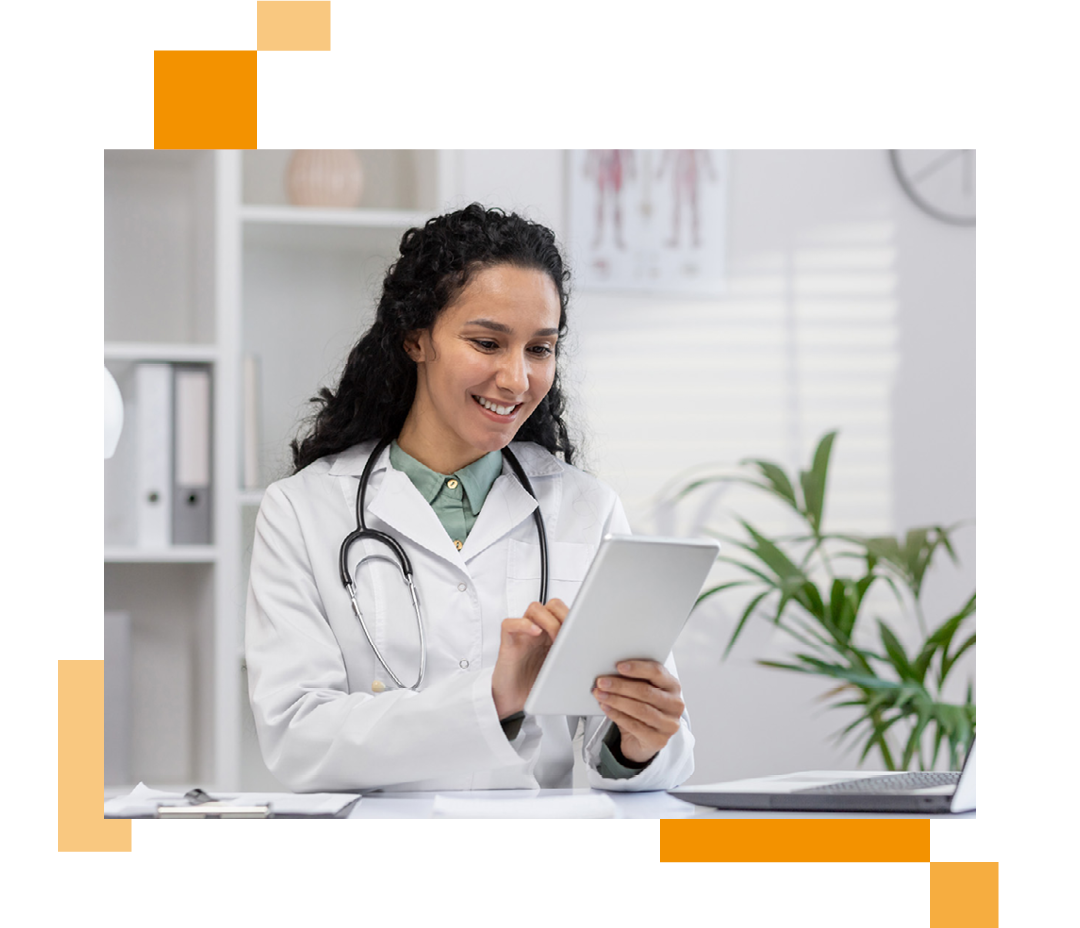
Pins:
<point x="645" y="702"/>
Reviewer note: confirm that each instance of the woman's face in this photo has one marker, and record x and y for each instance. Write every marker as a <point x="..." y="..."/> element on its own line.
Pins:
<point x="483" y="367"/>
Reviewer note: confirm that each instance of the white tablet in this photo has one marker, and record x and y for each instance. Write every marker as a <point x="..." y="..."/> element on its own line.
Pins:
<point x="633" y="603"/>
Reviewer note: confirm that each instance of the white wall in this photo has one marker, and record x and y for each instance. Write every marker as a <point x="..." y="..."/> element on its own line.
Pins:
<point x="846" y="308"/>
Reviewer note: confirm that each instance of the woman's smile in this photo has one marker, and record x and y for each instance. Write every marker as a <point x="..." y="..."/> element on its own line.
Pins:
<point x="494" y="409"/>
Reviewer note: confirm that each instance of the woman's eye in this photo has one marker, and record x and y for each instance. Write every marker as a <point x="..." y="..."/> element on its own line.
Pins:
<point x="537" y="351"/>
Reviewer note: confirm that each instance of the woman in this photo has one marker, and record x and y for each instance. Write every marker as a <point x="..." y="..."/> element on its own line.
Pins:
<point x="459" y="365"/>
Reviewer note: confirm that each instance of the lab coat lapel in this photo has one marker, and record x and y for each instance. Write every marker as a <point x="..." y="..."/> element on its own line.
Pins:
<point x="399" y="504"/>
<point x="507" y="505"/>
<point x="396" y="502"/>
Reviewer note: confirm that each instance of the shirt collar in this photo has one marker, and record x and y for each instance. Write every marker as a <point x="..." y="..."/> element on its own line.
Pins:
<point x="476" y="478"/>
<point x="537" y="461"/>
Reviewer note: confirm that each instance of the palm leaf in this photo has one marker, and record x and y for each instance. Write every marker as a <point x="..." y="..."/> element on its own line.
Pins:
<point x="813" y="483"/>
<point x="777" y="481"/>
<point x="705" y="594"/>
<point x="897" y="656"/>
<point x="742" y="621"/>
<point x="948" y="662"/>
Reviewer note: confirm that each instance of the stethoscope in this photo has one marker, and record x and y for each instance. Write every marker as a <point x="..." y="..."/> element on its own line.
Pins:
<point x="401" y="559"/>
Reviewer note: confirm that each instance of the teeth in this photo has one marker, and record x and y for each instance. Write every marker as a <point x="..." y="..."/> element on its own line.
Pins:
<point x="501" y="410"/>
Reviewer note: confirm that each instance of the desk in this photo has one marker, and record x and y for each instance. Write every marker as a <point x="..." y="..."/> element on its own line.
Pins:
<point x="650" y="805"/>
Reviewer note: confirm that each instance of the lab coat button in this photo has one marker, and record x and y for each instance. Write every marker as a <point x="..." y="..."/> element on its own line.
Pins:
<point x="452" y="484"/>
<point x="378" y="686"/>
<point x="464" y="665"/>
<point x="462" y="587"/>
<point x="458" y="544"/>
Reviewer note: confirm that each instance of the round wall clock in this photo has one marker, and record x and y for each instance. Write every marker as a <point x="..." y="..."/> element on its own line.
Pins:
<point x="987" y="186"/>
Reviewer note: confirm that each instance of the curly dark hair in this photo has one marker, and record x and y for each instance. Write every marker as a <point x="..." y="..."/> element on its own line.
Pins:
<point x="436" y="262"/>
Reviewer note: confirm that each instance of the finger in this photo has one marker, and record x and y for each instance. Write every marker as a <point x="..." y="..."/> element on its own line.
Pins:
<point x="636" y="686"/>
<point x="653" y="671"/>
<point x="667" y="701"/>
<point x="559" y="609"/>
<point x="631" y="728"/>
<point x="513" y="628"/>
<point x="542" y="616"/>
<point x="666" y="723"/>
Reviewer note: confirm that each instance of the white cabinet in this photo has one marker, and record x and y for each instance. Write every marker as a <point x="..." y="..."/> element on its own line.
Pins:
<point x="205" y="262"/>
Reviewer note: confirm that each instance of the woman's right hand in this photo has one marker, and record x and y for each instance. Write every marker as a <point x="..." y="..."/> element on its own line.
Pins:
<point x="523" y="645"/>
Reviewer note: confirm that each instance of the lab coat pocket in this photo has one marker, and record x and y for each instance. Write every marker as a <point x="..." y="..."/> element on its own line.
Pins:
<point x="567" y="565"/>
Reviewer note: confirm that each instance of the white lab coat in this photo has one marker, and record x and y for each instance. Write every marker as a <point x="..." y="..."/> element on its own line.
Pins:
<point x="323" y="718"/>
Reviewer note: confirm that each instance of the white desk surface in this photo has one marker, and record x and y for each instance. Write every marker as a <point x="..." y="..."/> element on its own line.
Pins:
<point x="647" y="805"/>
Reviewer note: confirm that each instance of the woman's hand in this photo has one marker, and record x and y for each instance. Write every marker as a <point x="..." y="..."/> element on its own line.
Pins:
<point x="645" y="702"/>
<point x="523" y="645"/>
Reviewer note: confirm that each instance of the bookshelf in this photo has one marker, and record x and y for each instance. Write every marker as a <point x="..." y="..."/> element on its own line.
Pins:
<point x="207" y="263"/>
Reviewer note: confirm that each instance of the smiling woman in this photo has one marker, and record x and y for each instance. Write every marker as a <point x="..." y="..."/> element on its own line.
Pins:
<point x="437" y="265"/>
<point x="442" y="458"/>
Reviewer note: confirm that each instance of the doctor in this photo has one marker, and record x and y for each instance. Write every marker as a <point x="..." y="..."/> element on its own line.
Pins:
<point x="459" y="365"/>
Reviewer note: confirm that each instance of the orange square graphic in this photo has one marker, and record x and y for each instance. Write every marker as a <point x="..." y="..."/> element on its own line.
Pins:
<point x="811" y="873"/>
<point x="963" y="894"/>
<point x="294" y="26"/>
<point x="205" y="99"/>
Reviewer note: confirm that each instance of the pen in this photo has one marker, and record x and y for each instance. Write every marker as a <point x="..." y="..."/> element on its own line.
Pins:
<point x="211" y="809"/>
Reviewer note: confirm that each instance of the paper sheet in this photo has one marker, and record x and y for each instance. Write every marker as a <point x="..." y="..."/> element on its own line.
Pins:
<point x="587" y="806"/>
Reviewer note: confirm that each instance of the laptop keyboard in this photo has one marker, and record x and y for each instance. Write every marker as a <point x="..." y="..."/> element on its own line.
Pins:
<point x="918" y="779"/>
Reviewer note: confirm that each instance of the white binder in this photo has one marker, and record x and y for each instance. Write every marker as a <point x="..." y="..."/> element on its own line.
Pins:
<point x="117" y="698"/>
<point x="153" y="397"/>
<point x="191" y="488"/>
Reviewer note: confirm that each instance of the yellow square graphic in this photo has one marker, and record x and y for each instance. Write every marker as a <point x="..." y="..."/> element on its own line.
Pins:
<point x="294" y="26"/>
<point x="205" y="99"/>
<point x="963" y="894"/>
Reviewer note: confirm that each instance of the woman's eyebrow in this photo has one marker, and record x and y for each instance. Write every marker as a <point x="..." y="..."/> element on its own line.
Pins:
<point x="505" y="329"/>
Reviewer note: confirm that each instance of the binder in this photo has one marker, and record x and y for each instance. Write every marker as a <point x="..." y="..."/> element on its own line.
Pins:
<point x="117" y="698"/>
<point x="191" y="496"/>
<point x="153" y="392"/>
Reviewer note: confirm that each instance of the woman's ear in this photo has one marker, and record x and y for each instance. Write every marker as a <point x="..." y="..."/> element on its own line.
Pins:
<point x="414" y="346"/>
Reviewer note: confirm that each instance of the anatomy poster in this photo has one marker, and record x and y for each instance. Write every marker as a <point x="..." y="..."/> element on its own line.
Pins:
<point x="648" y="219"/>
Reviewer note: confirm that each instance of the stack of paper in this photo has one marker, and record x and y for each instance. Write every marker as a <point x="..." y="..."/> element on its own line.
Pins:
<point x="1027" y="654"/>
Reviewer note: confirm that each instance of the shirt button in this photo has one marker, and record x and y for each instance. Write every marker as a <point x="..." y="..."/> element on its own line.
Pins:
<point x="462" y="587"/>
<point x="464" y="665"/>
<point x="452" y="484"/>
<point x="457" y="544"/>
<point x="378" y="686"/>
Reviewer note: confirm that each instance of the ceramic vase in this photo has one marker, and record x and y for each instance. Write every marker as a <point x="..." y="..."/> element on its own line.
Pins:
<point x="325" y="177"/>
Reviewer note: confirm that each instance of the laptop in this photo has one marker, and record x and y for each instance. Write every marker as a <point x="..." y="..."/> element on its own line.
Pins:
<point x="919" y="792"/>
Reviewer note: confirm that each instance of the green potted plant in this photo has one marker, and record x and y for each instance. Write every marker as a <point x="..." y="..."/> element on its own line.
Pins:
<point x="813" y="585"/>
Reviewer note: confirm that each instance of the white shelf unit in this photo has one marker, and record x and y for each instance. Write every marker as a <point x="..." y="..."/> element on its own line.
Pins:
<point x="206" y="262"/>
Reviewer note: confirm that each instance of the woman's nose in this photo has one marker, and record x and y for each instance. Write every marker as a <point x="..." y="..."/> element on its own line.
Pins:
<point x="513" y="375"/>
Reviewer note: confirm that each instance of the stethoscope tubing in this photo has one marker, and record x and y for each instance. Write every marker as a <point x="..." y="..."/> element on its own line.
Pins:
<point x="405" y="565"/>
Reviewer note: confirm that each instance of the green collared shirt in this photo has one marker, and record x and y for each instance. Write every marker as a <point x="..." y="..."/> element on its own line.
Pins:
<point x="457" y="499"/>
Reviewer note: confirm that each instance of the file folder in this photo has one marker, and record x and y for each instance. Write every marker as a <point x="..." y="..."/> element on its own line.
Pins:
<point x="153" y="397"/>
<point x="191" y="501"/>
